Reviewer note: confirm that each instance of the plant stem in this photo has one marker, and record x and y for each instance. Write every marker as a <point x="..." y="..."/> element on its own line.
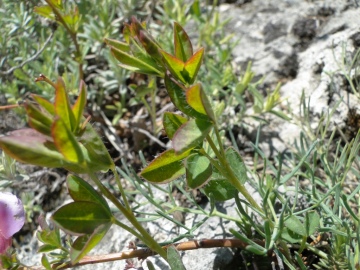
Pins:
<point x="121" y="189"/>
<point x="147" y="238"/>
<point x="127" y="228"/>
<point x="227" y="171"/>
<point x="73" y="36"/>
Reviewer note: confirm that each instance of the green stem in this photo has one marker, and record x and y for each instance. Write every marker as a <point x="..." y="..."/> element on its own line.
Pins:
<point x="73" y="36"/>
<point x="227" y="171"/>
<point x="148" y="240"/>
<point x="218" y="138"/>
<point x="127" y="228"/>
<point x="153" y="110"/>
<point x="316" y="251"/>
<point x="121" y="189"/>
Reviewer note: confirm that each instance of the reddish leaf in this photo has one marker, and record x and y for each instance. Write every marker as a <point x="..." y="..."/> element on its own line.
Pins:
<point x="151" y="47"/>
<point x="62" y="105"/>
<point x="165" y="168"/>
<point x="134" y="64"/>
<point x="190" y="135"/>
<point x="30" y="146"/>
<point x="178" y="97"/>
<point x="79" y="106"/>
<point x="172" y="122"/>
<point x="185" y="72"/>
<point x="182" y="43"/>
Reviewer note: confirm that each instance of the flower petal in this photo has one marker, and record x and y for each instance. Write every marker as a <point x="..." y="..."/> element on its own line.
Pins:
<point x="4" y="244"/>
<point x="12" y="214"/>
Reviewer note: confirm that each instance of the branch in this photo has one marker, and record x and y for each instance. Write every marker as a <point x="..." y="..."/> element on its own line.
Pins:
<point x="144" y="253"/>
<point x="36" y="55"/>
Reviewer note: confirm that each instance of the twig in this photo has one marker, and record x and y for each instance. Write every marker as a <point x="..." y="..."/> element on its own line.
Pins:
<point x="73" y="35"/>
<point x="36" y="55"/>
<point x="144" y="253"/>
<point x="150" y="136"/>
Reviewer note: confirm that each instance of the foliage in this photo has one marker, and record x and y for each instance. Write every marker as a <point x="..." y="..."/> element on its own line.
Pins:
<point x="200" y="158"/>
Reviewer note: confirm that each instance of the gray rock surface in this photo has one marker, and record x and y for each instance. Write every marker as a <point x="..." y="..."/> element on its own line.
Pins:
<point x="301" y="44"/>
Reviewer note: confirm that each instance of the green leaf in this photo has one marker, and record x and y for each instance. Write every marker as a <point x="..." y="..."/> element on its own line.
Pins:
<point x="178" y="97"/>
<point x="222" y="190"/>
<point x="39" y="126"/>
<point x="198" y="170"/>
<point x="79" y="106"/>
<point x="46" y="248"/>
<point x="172" y="122"/>
<point x="51" y="239"/>
<point x="312" y="222"/>
<point x="80" y="190"/>
<point x="190" y="135"/>
<point x="197" y="99"/>
<point x="38" y="120"/>
<point x="79" y="218"/>
<point x="72" y="19"/>
<point x="45" y="11"/>
<point x="97" y="156"/>
<point x="196" y="9"/>
<point x="85" y="243"/>
<point x="48" y="236"/>
<point x="150" y="265"/>
<point x="182" y="43"/>
<point x="258" y="99"/>
<point x="165" y="168"/>
<point x="290" y="236"/>
<point x="175" y="66"/>
<point x="124" y="47"/>
<point x="62" y="105"/>
<point x="127" y="34"/>
<point x="192" y="66"/>
<point x="57" y="3"/>
<point x="174" y="259"/>
<point x="237" y="165"/>
<point x="134" y="64"/>
<point x="281" y="115"/>
<point x="45" y="262"/>
<point x="44" y="104"/>
<point x="141" y="90"/>
<point x="30" y="146"/>
<point x="295" y="225"/>
<point x="184" y="71"/>
<point x="66" y="142"/>
<point x="258" y="250"/>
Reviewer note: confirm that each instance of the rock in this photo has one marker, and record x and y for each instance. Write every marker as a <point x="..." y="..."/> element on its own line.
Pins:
<point x="302" y="44"/>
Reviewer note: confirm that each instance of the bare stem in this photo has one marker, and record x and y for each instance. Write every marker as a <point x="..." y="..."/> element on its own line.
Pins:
<point x="144" y="253"/>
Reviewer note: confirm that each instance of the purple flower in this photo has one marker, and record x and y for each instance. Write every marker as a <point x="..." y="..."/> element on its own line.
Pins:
<point x="12" y="218"/>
